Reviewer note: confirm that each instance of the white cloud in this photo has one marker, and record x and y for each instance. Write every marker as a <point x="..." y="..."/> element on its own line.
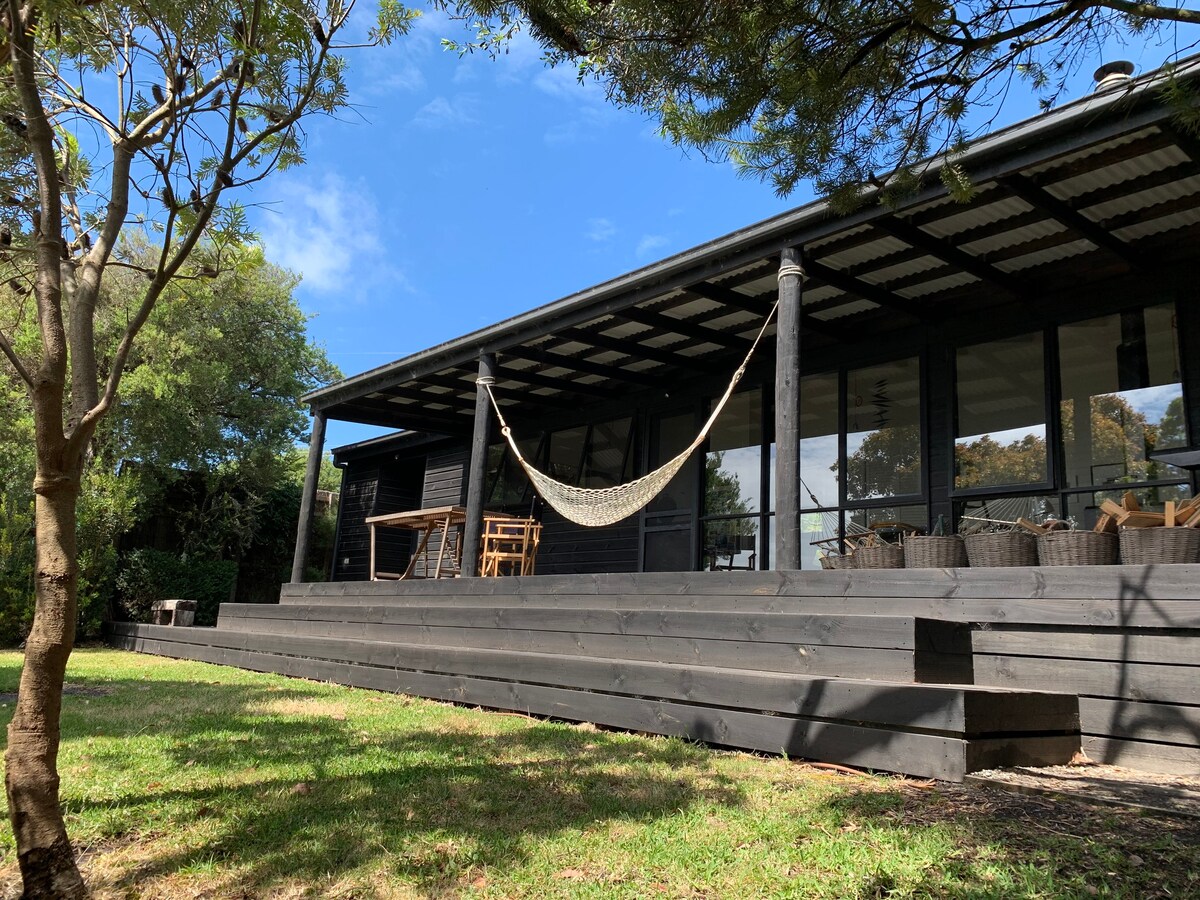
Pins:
<point x="441" y="112"/>
<point x="328" y="230"/>
<point x="600" y="230"/>
<point x="649" y="243"/>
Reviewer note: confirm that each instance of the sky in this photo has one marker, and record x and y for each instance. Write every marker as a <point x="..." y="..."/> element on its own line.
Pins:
<point x="457" y="192"/>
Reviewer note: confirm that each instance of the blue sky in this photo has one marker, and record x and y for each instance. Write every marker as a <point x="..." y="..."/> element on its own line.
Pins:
<point x="460" y="191"/>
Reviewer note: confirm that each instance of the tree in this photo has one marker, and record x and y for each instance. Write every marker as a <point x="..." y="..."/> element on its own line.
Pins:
<point x="125" y="118"/>
<point x="842" y="93"/>
<point x="208" y="398"/>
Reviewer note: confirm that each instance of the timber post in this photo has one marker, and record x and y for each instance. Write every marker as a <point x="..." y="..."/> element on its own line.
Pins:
<point x="477" y="471"/>
<point x="787" y="413"/>
<point x="308" y="497"/>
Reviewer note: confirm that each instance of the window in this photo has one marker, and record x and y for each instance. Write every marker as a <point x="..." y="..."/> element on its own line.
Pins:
<point x="856" y="481"/>
<point x="733" y="477"/>
<point x="819" y="442"/>
<point x="1000" y="436"/>
<point x="606" y="462"/>
<point x="1121" y="398"/>
<point x="883" y="430"/>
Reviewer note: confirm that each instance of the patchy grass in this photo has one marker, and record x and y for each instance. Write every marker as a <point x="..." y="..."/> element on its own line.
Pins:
<point x="189" y="780"/>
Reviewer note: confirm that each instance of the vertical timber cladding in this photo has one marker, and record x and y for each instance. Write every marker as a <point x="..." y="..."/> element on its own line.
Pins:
<point x="445" y="484"/>
<point x="359" y="485"/>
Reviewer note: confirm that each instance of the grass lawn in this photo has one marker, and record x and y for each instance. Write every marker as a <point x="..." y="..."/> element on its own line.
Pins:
<point x="189" y="780"/>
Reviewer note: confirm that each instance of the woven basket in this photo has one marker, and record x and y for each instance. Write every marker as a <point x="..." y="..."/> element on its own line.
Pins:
<point x="934" y="552"/>
<point x="837" y="562"/>
<point x="1160" y="545"/>
<point x="1008" y="548"/>
<point x="881" y="556"/>
<point x="1076" y="548"/>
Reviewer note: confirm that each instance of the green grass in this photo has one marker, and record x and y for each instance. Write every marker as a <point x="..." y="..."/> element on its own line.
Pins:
<point x="184" y="779"/>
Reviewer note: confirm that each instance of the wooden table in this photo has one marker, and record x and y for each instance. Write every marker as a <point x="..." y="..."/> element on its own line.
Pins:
<point x="446" y="519"/>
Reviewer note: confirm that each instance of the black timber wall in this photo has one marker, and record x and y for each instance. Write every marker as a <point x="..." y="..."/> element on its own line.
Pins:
<point x="568" y="549"/>
<point x="359" y="484"/>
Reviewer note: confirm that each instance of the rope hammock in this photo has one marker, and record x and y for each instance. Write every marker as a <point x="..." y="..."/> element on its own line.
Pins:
<point x="595" y="507"/>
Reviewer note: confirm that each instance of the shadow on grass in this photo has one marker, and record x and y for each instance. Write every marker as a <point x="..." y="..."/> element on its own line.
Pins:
<point x="1089" y="851"/>
<point x="430" y="805"/>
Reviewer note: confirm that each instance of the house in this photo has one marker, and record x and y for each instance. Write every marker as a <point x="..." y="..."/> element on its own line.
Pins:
<point x="1026" y="352"/>
<point x="1034" y="351"/>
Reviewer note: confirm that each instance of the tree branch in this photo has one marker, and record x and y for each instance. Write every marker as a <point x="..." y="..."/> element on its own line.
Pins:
<point x="6" y="346"/>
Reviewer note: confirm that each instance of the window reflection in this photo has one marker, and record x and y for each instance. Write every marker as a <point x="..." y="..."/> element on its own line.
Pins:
<point x="1121" y="397"/>
<point x="733" y="464"/>
<point x="606" y="461"/>
<point x="883" y="430"/>
<point x="1000" y="437"/>
<point x="988" y="513"/>
<point x="731" y="544"/>
<point x="819" y="441"/>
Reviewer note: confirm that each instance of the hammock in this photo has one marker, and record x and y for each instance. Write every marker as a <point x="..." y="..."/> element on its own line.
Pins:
<point x="595" y="507"/>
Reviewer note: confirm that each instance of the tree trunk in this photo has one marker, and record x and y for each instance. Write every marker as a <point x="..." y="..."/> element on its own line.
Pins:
<point x="44" y="852"/>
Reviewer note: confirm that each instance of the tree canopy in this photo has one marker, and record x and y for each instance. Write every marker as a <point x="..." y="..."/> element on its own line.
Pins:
<point x="120" y="119"/>
<point x="841" y="92"/>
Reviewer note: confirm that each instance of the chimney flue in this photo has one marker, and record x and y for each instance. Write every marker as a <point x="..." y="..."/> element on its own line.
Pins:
<point x="1112" y="74"/>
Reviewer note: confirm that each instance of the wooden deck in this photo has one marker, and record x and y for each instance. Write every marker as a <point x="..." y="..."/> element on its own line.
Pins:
<point x="928" y="672"/>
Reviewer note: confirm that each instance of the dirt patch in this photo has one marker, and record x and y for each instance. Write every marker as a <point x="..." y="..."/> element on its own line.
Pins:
<point x="1095" y="783"/>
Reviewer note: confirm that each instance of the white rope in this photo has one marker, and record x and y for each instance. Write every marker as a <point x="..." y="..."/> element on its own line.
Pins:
<point x="595" y="507"/>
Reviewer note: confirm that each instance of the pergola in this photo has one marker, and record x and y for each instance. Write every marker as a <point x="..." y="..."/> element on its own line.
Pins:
<point x="1103" y="188"/>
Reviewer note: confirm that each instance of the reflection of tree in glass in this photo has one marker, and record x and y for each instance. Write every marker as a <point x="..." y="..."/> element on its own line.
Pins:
<point x="1121" y="436"/>
<point x="1171" y="430"/>
<point x="887" y="463"/>
<point x="723" y="497"/>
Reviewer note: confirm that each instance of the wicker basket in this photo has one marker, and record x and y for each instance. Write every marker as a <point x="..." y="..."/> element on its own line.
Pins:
<point x="934" y="552"/>
<point x="881" y="556"/>
<point x="837" y="562"/>
<point x="1007" y="548"/>
<point x="1076" y="548"/>
<point x="1160" y="545"/>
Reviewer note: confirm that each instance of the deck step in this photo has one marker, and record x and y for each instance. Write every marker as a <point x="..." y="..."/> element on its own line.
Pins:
<point x="889" y="648"/>
<point x="930" y="730"/>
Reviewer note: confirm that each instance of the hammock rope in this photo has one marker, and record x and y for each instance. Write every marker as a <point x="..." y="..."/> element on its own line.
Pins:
<point x="594" y="507"/>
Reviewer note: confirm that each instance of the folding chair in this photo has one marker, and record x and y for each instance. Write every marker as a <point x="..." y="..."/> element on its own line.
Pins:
<point x="509" y="546"/>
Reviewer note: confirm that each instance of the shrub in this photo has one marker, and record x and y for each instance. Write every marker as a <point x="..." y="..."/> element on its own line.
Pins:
<point x="147" y="575"/>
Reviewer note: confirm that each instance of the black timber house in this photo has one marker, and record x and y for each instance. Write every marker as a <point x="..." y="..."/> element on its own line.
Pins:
<point x="1034" y="350"/>
<point x="1027" y="350"/>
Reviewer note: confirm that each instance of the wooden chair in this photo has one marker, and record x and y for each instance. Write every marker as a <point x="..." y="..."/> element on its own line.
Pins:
<point x="508" y="546"/>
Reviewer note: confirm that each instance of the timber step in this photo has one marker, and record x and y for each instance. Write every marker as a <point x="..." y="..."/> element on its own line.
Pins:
<point x="930" y="730"/>
<point x="888" y="648"/>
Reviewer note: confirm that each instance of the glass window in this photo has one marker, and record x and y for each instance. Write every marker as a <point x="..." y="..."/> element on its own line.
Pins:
<point x="982" y="513"/>
<point x="883" y="430"/>
<point x="606" y="460"/>
<point x="733" y="464"/>
<point x="1121" y="397"/>
<point x="669" y="435"/>
<point x="731" y="544"/>
<point x="1001" y="427"/>
<point x="566" y="454"/>
<point x="509" y="485"/>
<point x="818" y="441"/>
<point x="888" y="519"/>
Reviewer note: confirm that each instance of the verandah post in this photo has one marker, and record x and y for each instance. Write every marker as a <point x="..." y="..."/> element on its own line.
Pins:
<point x="477" y="471"/>
<point x="308" y="496"/>
<point x="787" y="547"/>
